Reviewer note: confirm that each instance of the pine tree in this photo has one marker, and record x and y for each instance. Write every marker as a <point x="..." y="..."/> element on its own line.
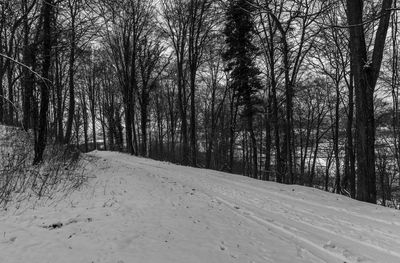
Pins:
<point x="240" y="57"/>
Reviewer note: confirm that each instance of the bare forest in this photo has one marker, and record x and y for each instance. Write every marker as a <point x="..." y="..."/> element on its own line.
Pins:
<point x="297" y="92"/>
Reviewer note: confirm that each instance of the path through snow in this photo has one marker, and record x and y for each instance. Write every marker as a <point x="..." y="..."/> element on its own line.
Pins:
<point x="139" y="210"/>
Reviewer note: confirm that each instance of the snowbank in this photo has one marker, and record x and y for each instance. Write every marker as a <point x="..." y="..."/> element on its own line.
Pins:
<point x="139" y="210"/>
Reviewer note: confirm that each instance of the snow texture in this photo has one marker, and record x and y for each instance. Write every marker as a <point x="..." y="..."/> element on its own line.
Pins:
<point x="139" y="210"/>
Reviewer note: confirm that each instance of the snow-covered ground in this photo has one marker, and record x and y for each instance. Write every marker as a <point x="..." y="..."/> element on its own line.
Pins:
<point x="139" y="210"/>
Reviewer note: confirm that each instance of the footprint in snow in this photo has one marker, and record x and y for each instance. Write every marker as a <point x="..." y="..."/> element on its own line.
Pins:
<point x="346" y="253"/>
<point x="222" y="246"/>
<point x="10" y="240"/>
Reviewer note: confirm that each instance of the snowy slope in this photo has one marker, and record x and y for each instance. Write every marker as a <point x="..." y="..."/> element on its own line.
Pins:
<point x="139" y="210"/>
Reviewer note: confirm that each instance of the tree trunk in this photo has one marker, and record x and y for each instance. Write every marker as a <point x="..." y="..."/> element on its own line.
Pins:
<point x="268" y="143"/>
<point x="144" y="120"/>
<point x="93" y="99"/>
<point x="10" y="103"/>
<point x="41" y="140"/>
<point x="128" y="121"/>
<point x="193" y="138"/>
<point x="85" y="121"/>
<point x="71" y="83"/>
<point x="182" y="111"/>
<point x="336" y="141"/>
<point x="350" y="170"/>
<point x="59" y="102"/>
<point x="27" y="75"/>
<point x="366" y="73"/>
<point x="232" y="128"/>
<point x="1" y="99"/>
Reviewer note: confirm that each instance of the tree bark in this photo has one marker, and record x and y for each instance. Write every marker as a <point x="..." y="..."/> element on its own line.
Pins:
<point x="336" y="141"/>
<point x="41" y="140"/>
<point x="366" y="72"/>
<point x="71" y="74"/>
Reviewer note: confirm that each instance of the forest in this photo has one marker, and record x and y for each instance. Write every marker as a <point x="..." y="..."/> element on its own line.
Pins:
<point x="297" y="92"/>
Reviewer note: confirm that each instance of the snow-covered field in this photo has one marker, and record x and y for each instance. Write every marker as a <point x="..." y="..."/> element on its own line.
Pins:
<point x="139" y="210"/>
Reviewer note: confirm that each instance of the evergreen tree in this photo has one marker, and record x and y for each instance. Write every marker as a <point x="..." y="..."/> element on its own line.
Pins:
<point x="240" y="57"/>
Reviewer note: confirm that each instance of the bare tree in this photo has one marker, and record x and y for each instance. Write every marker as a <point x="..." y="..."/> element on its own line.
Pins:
<point x="45" y="83"/>
<point x="366" y="71"/>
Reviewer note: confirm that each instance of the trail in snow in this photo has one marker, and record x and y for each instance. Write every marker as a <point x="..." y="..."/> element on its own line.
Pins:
<point x="139" y="210"/>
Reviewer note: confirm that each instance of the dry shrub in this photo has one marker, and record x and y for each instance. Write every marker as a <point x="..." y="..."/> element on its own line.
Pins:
<point x="61" y="171"/>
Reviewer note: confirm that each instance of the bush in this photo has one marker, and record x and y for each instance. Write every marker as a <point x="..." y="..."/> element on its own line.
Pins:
<point x="61" y="171"/>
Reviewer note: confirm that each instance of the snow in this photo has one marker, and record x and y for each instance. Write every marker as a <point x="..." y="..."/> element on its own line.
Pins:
<point x="140" y="210"/>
